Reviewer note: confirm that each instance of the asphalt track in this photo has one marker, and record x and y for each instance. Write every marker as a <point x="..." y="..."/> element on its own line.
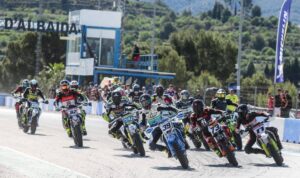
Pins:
<point x="50" y="153"/>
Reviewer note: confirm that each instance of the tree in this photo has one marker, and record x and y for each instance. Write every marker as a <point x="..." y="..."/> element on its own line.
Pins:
<point x="258" y="42"/>
<point x="204" y="80"/>
<point x="250" y="69"/>
<point x="206" y="51"/>
<point x="226" y="15"/>
<point x="168" y="28"/>
<point x="256" y="11"/>
<point x="50" y="76"/>
<point x="257" y="80"/>
<point x="170" y="61"/>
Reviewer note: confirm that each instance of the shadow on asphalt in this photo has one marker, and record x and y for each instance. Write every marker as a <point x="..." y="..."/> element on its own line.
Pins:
<point x="178" y="168"/>
<point x="39" y="134"/>
<point x="227" y="165"/>
<point x="269" y="165"/>
<point x="134" y="156"/>
<point x="76" y="147"/>
<point x="198" y="149"/>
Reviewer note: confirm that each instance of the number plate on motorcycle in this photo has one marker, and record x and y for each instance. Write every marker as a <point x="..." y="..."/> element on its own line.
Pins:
<point x="128" y="119"/>
<point x="72" y="112"/>
<point x="166" y="126"/>
<point x="34" y="105"/>
<point x="259" y="129"/>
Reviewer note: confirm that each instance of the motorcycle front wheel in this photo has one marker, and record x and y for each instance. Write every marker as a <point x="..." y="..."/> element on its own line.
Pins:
<point x="77" y="135"/>
<point x="33" y="125"/>
<point x="181" y="156"/>
<point x="275" y="154"/>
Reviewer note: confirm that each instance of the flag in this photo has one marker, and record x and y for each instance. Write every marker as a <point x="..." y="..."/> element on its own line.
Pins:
<point x="283" y="21"/>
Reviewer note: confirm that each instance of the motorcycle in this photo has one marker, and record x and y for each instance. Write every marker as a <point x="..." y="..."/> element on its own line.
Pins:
<point x="131" y="130"/>
<point x="30" y="115"/>
<point x="266" y="140"/>
<point x="172" y="134"/>
<point x="231" y="122"/>
<point x="74" y="119"/>
<point x="21" y="109"/>
<point x="221" y="139"/>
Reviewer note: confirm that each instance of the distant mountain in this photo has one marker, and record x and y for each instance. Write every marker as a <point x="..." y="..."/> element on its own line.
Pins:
<point x="269" y="7"/>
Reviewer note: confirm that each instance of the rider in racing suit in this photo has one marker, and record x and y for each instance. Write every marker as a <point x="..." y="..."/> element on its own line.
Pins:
<point x="67" y="97"/>
<point x="247" y="118"/>
<point x="118" y="108"/>
<point x="20" y="90"/>
<point x="160" y="98"/>
<point x="204" y="113"/>
<point x="149" y="112"/>
<point x="135" y="94"/>
<point x="220" y="102"/>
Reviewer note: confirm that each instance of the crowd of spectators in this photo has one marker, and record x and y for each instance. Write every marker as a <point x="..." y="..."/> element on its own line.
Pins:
<point x="280" y="105"/>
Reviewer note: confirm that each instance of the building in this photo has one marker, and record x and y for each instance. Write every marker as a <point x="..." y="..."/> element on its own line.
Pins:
<point x="96" y="49"/>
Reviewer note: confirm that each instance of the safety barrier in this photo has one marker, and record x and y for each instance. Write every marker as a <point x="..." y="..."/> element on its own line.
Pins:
<point x="97" y="108"/>
<point x="291" y="131"/>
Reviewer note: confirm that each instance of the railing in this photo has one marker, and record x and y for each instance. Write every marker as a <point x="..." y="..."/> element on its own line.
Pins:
<point x="143" y="64"/>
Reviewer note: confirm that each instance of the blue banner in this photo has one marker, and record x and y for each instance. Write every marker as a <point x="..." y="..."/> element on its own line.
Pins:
<point x="281" y="34"/>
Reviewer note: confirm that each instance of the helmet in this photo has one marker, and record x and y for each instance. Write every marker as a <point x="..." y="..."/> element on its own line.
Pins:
<point x="184" y="94"/>
<point x="116" y="97"/>
<point x="64" y="85"/>
<point x="25" y="83"/>
<point x="242" y="110"/>
<point x="221" y="94"/>
<point x="136" y="88"/>
<point x="33" y="84"/>
<point x="159" y="90"/>
<point x="146" y="101"/>
<point x="198" y="106"/>
<point x="74" y="84"/>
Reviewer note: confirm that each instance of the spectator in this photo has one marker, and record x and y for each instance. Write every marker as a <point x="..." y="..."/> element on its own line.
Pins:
<point x="171" y="91"/>
<point x="144" y="90"/>
<point x="94" y="98"/>
<point x="270" y="104"/>
<point x="287" y="104"/>
<point x="135" y="55"/>
<point x="278" y="103"/>
<point x="233" y="98"/>
<point x="88" y="90"/>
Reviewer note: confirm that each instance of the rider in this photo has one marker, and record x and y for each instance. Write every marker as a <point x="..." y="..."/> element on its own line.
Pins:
<point x="247" y="118"/>
<point x="204" y="113"/>
<point x="117" y="107"/>
<point x="68" y="97"/>
<point x="74" y="85"/>
<point x="220" y="102"/>
<point x="149" y="112"/>
<point x="184" y="103"/>
<point x="33" y="93"/>
<point x="160" y="98"/>
<point x="19" y="91"/>
<point x="135" y="94"/>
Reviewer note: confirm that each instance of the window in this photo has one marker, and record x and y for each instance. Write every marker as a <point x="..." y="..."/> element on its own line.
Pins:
<point x="92" y="50"/>
<point x="107" y="51"/>
<point x="74" y="45"/>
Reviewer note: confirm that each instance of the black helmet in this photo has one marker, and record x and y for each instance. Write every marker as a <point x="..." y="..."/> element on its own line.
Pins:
<point x="198" y="106"/>
<point x="146" y="101"/>
<point x="136" y="88"/>
<point x="184" y="94"/>
<point x="25" y="83"/>
<point x="221" y="94"/>
<point x="159" y="90"/>
<point x="242" y="110"/>
<point x="116" y="97"/>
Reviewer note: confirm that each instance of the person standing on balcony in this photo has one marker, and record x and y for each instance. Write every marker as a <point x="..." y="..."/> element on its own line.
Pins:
<point x="136" y="55"/>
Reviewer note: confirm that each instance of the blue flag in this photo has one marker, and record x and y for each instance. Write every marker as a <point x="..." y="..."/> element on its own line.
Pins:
<point x="281" y="34"/>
